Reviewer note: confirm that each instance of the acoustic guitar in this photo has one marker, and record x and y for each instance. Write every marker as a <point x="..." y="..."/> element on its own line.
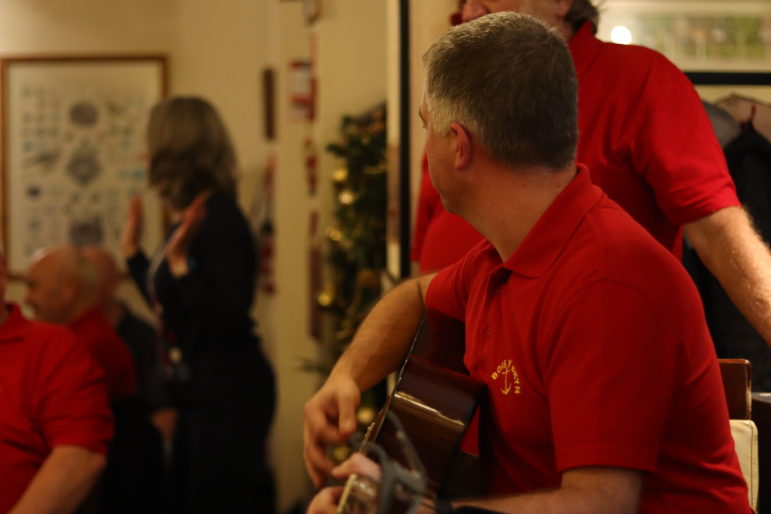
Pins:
<point x="433" y="401"/>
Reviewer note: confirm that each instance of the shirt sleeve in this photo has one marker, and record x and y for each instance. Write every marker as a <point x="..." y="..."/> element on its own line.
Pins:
<point x="72" y="403"/>
<point x="609" y="373"/>
<point x="429" y="206"/>
<point x="449" y="290"/>
<point x="676" y="149"/>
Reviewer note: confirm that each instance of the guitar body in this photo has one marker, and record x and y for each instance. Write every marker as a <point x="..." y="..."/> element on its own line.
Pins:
<point x="434" y="401"/>
<point x="434" y="405"/>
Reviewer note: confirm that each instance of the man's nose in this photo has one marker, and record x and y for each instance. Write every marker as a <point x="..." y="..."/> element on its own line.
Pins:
<point x="473" y="9"/>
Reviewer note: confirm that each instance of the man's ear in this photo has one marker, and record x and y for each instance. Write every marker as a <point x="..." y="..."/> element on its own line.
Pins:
<point x="462" y="140"/>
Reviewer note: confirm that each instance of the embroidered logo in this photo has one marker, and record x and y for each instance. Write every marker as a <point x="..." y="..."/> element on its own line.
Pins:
<point x="510" y="378"/>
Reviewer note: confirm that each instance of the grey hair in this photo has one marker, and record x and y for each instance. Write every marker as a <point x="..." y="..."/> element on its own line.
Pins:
<point x="510" y="81"/>
<point x="189" y="151"/>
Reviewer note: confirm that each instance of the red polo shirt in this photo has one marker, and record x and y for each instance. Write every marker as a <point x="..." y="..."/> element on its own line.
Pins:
<point x="645" y="137"/>
<point x="51" y="394"/>
<point x="109" y="351"/>
<point x="592" y="343"/>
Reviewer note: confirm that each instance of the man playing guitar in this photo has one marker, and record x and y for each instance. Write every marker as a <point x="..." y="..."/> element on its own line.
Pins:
<point x="603" y="393"/>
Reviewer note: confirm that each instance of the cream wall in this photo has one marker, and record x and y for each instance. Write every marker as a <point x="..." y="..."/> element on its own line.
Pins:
<point x="283" y="316"/>
<point x="350" y="70"/>
<point x="218" y="50"/>
<point x="49" y="26"/>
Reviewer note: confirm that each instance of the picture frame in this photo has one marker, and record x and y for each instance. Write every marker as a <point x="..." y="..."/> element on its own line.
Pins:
<point x="73" y="150"/>
<point x="697" y="36"/>
<point x="713" y="86"/>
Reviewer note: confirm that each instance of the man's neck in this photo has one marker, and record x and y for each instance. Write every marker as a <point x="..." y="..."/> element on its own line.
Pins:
<point x="514" y="202"/>
<point x="565" y="30"/>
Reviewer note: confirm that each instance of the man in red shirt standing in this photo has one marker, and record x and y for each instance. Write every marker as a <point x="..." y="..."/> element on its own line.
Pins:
<point x="55" y="421"/>
<point x="649" y="145"/>
<point x="603" y="393"/>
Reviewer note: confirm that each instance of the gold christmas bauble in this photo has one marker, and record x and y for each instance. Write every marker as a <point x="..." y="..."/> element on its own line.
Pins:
<point x="333" y="234"/>
<point x="365" y="415"/>
<point x="346" y="197"/>
<point x="340" y="175"/>
<point x="340" y="453"/>
<point x="325" y="299"/>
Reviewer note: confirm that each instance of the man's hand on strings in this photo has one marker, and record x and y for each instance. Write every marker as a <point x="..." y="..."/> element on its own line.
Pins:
<point x="328" y="499"/>
<point x="329" y="418"/>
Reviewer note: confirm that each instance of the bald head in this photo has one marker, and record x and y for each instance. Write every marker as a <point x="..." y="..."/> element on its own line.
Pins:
<point x="61" y="284"/>
<point x="107" y="273"/>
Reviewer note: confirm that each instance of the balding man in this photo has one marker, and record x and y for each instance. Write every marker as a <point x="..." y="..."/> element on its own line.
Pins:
<point x="62" y="288"/>
<point x="55" y="421"/>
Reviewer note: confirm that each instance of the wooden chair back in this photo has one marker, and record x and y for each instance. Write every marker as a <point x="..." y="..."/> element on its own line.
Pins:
<point x="737" y="381"/>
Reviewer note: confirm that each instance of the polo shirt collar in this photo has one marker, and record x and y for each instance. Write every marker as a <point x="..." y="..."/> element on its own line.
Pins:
<point x="551" y="233"/>
<point x="12" y="327"/>
<point x="584" y="47"/>
<point x="87" y="318"/>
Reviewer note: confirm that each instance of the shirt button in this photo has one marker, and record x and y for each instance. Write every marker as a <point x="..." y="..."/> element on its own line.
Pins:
<point x="488" y="330"/>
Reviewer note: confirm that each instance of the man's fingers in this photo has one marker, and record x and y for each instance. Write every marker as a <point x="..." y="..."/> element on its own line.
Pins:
<point x="325" y="502"/>
<point x="317" y="474"/>
<point x="329" y="418"/>
<point x="317" y="432"/>
<point x="358" y="464"/>
<point x="316" y="454"/>
<point x="322" y="427"/>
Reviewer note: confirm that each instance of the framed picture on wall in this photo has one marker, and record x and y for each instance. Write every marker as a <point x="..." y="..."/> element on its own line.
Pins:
<point x="713" y="86"/>
<point x="696" y="36"/>
<point x="73" y="150"/>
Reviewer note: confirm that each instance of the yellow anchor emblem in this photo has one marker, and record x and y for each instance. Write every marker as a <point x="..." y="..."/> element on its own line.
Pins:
<point x="510" y="377"/>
